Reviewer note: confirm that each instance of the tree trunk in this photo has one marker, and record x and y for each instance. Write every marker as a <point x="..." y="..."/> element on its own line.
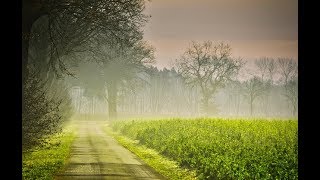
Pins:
<point x="251" y="107"/>
<point x="94" y="105"/>
<point x="206" y="105"/>
<point x="266" y="106"/>
<point x="112" y="99"/>
<point x="238" y="105"/>
<point x="79" y="100"/>
<point x="294" y="109"/>
<point x="80" y="103"/>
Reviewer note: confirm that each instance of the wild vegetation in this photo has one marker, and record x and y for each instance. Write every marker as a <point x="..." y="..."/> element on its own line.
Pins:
<point x="161" y="164"/>
<point x="222" y="148"/>
<point x="43" y="162"/>
<point x="47" y="107"/>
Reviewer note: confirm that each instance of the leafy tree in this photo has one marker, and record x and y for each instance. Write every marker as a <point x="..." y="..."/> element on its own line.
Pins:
<point x="45" y="111"/>
<point x="121" y="64"/>
<point x="46" y="102"/>
<point x="53" y="31"/>
<point x="71" y="23"/>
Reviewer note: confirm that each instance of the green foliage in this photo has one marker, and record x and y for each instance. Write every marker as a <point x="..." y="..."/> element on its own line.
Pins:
<point x="43" y="162"/>
<point x="164" y="166"/>
<point x="221" y="148"/>
<point x="45" y="108"/>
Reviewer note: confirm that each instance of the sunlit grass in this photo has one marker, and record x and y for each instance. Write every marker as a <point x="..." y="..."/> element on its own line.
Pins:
<point x="222" y="148"/>
<point x="44" y="162"/>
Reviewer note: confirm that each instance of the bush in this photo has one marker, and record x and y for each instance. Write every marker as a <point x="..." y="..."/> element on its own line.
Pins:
<point x="45" y="108"/>
<point x="45" y="162"/>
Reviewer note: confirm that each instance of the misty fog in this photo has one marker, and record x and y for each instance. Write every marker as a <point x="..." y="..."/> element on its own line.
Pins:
<point x="164" y="93"/>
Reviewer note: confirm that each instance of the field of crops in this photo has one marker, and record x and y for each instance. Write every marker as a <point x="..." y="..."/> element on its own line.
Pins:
<point x="220" y="148"/>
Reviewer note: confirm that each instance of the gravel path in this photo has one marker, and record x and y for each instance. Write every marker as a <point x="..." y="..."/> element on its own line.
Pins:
<point x="96" y="155"/>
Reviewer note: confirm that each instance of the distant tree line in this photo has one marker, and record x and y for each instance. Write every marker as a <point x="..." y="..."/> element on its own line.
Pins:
<point x="269" y="89"/>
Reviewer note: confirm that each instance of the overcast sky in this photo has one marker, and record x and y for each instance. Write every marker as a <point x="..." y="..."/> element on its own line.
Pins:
<point x="253" y="28"/>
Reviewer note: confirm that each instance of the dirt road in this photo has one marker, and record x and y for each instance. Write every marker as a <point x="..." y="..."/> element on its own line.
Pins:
<point x="95" y="155"/>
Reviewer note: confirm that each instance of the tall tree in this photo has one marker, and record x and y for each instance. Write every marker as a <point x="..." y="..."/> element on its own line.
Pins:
<point x="234" y="92"/>
<point x="69" y="26"/>
<point x="208" y="66"/>
<point x="121" y="63"/>
<point x="289" y="77"/>
<point x="266" y="70"/>
<point x="70" y="23"/>
<point x="253" y="88"/>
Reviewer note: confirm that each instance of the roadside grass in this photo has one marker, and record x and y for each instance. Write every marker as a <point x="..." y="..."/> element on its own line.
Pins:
<point x="43" y="162"/>
<point x="161" y="164"/>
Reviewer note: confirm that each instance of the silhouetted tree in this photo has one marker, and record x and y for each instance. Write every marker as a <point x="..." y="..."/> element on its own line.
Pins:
<point x="253" y="88"/>
<point x="288" y="69"/>
<point x="53" y="31"/>
<point x="208" y="66"/>
<point x="267" y="68"/>
<point x="233" y="90"/>
<point x="71" y="23"/>
<point x="121" y="63"/>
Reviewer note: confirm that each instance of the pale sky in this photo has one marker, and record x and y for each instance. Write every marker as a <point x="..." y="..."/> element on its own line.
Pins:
<point x="253" y="28"/>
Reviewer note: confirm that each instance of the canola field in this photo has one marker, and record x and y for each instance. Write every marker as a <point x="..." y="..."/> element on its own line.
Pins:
<point x="219" y="148"/>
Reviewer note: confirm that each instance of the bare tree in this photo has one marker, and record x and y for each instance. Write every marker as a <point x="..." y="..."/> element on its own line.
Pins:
<point x="253" y="88"/>
<point x="292" y="94"/>
<point x="272" y="69"/>
<point x="234" y="91"/>
<point x="266" y="70"/>
<point x="158" y="90"/>
<point x="262" y="65"/>
<point x="289" y="77"/>
<point x="288" y="69"/>
<point x="208" y="66"/>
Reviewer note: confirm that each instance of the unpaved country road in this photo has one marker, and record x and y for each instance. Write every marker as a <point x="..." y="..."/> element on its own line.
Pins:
<point x="95" y="155"/>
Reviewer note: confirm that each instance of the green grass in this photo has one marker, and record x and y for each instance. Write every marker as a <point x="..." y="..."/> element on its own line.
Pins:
<point x="221" y="148"/>
<point x="164" y="166"/>
<point x="44" y="162"/>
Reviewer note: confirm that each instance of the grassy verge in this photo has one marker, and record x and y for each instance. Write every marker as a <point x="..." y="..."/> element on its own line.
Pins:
<point x="44" y="162"/>
<point x="164" y="166"/>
